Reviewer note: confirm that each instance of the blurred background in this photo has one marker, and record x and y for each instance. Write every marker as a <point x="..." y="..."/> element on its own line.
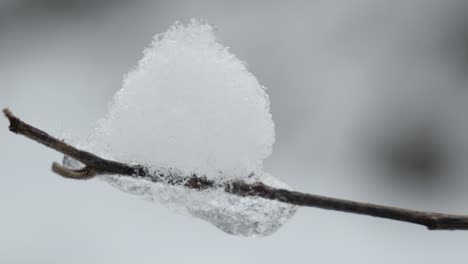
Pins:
<point x="369" y="98"/>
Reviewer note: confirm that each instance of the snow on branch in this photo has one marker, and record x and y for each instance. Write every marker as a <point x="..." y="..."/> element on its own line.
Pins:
<point x="190" y="128"/>
<point x="95" y="165"/>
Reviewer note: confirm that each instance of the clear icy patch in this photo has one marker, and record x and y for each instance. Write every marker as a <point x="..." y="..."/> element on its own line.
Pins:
<point x="192" y="105"/>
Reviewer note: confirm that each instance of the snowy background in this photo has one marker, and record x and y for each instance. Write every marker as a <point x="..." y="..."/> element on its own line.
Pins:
<point x="368" y="98"/>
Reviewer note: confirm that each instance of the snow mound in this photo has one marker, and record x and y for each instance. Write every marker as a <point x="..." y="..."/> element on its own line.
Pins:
<point x="192" y="105"/>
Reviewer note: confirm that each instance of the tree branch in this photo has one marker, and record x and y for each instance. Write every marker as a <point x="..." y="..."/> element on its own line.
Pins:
<point x="94" y="165"/>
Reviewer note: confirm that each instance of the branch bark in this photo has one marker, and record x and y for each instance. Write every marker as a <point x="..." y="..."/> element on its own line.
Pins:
<point x="95" y="165"/>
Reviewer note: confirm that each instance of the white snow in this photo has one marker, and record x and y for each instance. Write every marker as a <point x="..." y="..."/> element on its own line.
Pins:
<point x="192" y="105"/>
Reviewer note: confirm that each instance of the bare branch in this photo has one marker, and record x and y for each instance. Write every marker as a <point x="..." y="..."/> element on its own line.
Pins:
<point x="95" y="165"/>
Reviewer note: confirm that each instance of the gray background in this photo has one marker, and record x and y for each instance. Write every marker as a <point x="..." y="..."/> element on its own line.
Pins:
<point x="369" y="100"/>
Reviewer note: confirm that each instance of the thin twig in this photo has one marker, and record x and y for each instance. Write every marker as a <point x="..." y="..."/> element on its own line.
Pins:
<point x="95" y="165"/>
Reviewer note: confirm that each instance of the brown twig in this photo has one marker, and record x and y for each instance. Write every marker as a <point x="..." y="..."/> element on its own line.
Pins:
<point x="94" y="165"/>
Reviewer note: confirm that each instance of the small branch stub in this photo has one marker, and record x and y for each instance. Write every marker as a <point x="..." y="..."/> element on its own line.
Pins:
<point x="84" y="173"/>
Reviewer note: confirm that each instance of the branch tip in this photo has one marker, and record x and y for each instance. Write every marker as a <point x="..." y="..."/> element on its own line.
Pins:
<point x="7" y="111"/>
<point x="14" y="121"/>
